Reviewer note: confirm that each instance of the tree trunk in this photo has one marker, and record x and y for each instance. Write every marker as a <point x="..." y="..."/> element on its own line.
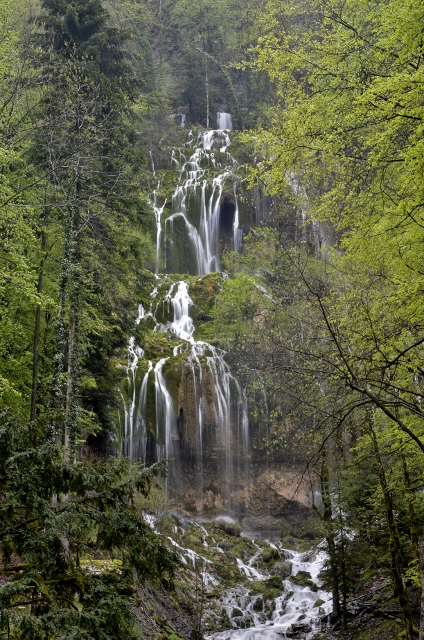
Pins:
<point x="71" y="407"/>
<point x="412" y="518"/>
<point x="35" y="349"/>
<point x="397" y="563"/>
<point x="329" y="535"/>
<point x="421" y="547"/>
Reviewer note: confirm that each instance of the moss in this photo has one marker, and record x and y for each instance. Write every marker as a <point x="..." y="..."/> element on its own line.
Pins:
<point x="256" y="586"/>
<point x="303" y="579"/>
<point x="203" y="292"/>
<point x="172" y="372"/>
<point x="230" y="528"/>
<point x="151" y="405"/>
<point x="238" y="551"/>
<point x="270" y="554"/>
<point x="158" y="345"/>
<point x="192" y="541"/>
<point x="274" y="583"/>
<point x="168" y="524"/>
<point x="228" y="572"/>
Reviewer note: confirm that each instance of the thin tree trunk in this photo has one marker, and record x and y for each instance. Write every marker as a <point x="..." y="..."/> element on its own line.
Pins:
<point x="412" y="518"/>
<point x="56" y="419"/>
<point x="71" y="407"/>
<point x="397" y="564"/>
<point x="35" y="350"/>
<point x="329" y="535"/>
<point x="207" y="91"/>
<point x="421" y="547"/>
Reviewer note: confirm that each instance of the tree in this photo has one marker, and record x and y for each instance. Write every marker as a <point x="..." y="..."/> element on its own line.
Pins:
<point x="81" y="145"/>
<point x="53" y="532"/>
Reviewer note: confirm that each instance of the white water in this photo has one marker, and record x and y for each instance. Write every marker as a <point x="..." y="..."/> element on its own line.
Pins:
<point x="206" y="368"/>
<point x="224" y="121"/>
<point x="294" y="606"/>
<point x="202" y="179"/>
<point x="219" y="401"/>
<point x="196" y="202"/>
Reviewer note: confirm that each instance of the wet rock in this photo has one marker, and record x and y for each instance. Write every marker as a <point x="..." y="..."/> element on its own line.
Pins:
<point x="236" y="613"/>
<point x="319" y="602"/>
<point x="270" y="554"/>
<point x="282" y="569"/>
<point x="274" y="583"/>
<point x="304" y="579"/>
<point x="298" y="630"/>
<point x="230" y="528"/>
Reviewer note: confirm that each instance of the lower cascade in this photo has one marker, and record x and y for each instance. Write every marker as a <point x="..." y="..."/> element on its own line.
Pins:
<point x="252" y="588"/>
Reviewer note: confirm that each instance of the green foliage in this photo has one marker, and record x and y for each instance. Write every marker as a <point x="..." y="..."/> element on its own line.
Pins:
<point x="52" y="527"/>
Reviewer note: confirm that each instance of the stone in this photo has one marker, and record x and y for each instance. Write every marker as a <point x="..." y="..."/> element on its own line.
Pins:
<point x="282" y="569"/>
<point x="298" y="630"/>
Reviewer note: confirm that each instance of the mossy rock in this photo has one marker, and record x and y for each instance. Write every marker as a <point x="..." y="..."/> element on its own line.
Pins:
<point x="230" y="528"/>
<point x="257" y="586"/>
<point x="236" y="613"/>
<point x="228" y="572"/>
<point x="304" y="579"/>
<point x="172" y="372"/>
<point x="190" y="505"/>
<point x="158" y="344"/>
<point x="258" y="605"/>
<point x="270" y="554"/>
<point x="318" y="603"/>
<point x="273" y="583"/>
<point x="168" y="525"/>
<point x="191" y="540"/>
<point x="238" y="551"/>
<point x="282" y="569"/>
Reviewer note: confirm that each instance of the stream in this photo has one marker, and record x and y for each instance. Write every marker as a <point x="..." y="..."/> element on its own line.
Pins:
<point x="295" y="609"/>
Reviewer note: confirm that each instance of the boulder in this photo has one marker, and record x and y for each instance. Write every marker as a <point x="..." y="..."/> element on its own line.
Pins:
<point x="282" y="569"/>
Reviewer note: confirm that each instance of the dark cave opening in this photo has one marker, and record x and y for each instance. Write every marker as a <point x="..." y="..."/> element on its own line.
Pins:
<point x="226" y="216"/>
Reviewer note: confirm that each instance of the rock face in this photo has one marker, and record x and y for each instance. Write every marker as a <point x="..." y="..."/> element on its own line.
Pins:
<point x="229" y="476"/>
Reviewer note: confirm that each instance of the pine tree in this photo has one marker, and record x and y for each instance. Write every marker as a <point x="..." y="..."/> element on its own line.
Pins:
<point x="73" y="543"/>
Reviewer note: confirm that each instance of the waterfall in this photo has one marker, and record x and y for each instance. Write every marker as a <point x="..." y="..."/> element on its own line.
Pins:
<point x="191" y="237"/>
<point x="224" y="121"/>
<point x="205" y="405"/>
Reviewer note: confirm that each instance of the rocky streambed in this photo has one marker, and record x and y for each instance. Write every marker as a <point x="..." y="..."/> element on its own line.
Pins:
<point x="246" y="588"/>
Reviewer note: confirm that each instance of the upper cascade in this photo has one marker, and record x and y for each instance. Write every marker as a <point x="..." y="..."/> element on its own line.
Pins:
<point x="200" y="220"/>
<point x="224" y="121"/>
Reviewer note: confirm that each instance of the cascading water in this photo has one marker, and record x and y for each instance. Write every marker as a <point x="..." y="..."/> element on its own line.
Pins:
<point x="194" y="227"/>
<point x="182" y="398"/>
<point x="224" y="121"/>
<point x="203" y="216"/>
<point x="297" y="611"/>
